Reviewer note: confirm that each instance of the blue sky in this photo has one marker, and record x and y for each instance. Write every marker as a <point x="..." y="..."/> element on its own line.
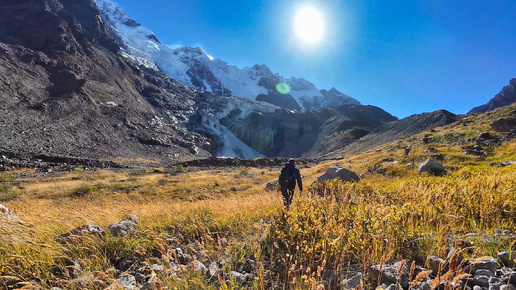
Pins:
<point x="404" y="56"/>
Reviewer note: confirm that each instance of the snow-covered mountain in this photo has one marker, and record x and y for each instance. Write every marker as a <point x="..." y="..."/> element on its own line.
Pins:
<point x="195" y="68"/>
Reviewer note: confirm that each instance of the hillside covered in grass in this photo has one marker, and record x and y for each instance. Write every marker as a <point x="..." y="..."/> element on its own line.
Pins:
<point x="217" y="228"/>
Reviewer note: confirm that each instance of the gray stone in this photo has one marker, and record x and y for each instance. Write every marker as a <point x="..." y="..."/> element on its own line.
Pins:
<point x="425" y="285"/>
<point x="476" y="287"/>
<point x="157" y="267"/>
<point x="151" y="284"/>
<point x="386" y="285"/>
<point x="128" y="282"/>
<point x="329" y="277"/>
<point x="484" y="272"/>
<point x="353" y="282"/>
<point x="213" y="269"/>
<point x="174" y="267"/>
<point x="335" y="172"/>
<point x="272" y="186"/>
<point x="389" y="273"/>
<point x="507" y="258"/>
<point x="124" y="227"/>
<point x="487" y="264"/>
<point x="200" y="267"/>
<point x="431" y="167"/>
<point x="87" y="230"/>
<point x="4" y="211"/>
<point x="391" y="287"/>
<point x="495" y="283"/>
<point x="434" y="263"/>
<point x="510" y="276"/>
<point x="430" y="150"/>
<point x="482" y="281"/>
<point x="452" y="251"/>
<point x="238" y="277"/>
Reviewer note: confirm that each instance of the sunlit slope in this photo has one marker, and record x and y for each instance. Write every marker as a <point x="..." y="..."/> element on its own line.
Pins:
<point x="223" y="217"/>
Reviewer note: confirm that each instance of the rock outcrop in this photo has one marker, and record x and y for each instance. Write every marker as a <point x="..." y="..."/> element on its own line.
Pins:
<point x="292" y="134"/>
<point x="124" y="227"/>
<point x="505" y="97"/>
<point x="431" y="167"/>
<point x="335" y="172"/>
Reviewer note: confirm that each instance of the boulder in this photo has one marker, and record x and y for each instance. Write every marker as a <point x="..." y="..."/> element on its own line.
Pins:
<point x="430" y="150"/>
<point x="238" y="277"/>
<point x="335" y="172"/>
<point x="506" y="163"/>
<point x="438" y="157"/>
<point x="87" y="230"/>
<point x="214" y="269"/>
<point x="4" y="211"/>
<point x="504" y="125"/>
<point x="485" y="136"/>
<point x="434" y="263"/>
<point x="124" y="227"/>
<point x="352" y="282"/>
<point x="388" y="273"/>
<point x="128" y="282"/>
<point x="486" y="264"/>
<point x="200" y="267"/>
<point x="272" y="186"/>
<point x="431" y="167"/>
<point x="507" y="258"/>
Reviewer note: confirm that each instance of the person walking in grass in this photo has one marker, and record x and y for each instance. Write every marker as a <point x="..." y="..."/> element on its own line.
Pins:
<point x="287" y="180"/>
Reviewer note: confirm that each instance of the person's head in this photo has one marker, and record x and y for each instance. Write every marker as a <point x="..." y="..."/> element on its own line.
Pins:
<point x="292" y="161"/>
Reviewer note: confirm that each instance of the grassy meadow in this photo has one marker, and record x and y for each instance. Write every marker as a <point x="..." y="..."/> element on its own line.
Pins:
<point x="225" y="216"/>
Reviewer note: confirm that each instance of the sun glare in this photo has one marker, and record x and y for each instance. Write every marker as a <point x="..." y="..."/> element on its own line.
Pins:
<point x="309" y="24"/>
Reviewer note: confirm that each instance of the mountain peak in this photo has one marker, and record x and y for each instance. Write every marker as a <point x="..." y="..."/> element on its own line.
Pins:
<point x="196" y="68"/>
<point x="505" y="97"/>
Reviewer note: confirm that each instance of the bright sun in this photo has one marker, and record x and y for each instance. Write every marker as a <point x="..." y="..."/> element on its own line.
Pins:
<point x="309" y="24"/>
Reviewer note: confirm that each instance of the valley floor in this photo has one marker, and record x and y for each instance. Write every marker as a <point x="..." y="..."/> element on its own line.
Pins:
<point x="219" y="229"/>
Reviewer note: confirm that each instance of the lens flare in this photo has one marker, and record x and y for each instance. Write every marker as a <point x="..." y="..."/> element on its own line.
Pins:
<point x="283" y="88"/>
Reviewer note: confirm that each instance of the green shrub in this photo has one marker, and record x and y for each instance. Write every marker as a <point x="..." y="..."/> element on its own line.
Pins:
<point x="6" y="177"/>
<point x="7" y="193"/>
<point x="85" y="189"/>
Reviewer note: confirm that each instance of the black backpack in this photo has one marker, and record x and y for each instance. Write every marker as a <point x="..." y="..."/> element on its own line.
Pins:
<point x="288" y="176"/>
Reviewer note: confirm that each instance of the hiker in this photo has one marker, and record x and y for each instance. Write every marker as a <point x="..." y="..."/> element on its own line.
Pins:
<point x="287" y="180"/>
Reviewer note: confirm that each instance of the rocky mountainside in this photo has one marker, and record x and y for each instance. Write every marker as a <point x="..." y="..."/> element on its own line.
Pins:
<point x="66" y="90"/>
<point x="505" y="97"/>
<point x="195" y="68"/>
<point x="70" y="88"/>
<point x="392" y="131"/>
<point x="294" y="134"/>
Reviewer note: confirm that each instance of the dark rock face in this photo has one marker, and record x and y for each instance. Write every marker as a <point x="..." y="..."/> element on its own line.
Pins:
<point x="505" y="97"/>
<point x="293" y="134"/>
<point x="65" y="89"/>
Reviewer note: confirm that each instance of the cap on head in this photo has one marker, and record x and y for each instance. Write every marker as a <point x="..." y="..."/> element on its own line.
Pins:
<point x="292" y="161"/>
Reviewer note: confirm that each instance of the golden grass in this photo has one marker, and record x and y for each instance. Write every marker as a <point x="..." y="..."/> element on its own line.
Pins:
<point x="331" y="226"/>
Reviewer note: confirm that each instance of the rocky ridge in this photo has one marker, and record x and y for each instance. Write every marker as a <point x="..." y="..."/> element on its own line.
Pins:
<point x="505" y="97"/>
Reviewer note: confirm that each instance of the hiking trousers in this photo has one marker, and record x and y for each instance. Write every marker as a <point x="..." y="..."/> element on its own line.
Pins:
<point x="288" y="195"/>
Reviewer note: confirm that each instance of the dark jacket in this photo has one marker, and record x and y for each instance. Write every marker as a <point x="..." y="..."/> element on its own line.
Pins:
<point x="297" y="176"/>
